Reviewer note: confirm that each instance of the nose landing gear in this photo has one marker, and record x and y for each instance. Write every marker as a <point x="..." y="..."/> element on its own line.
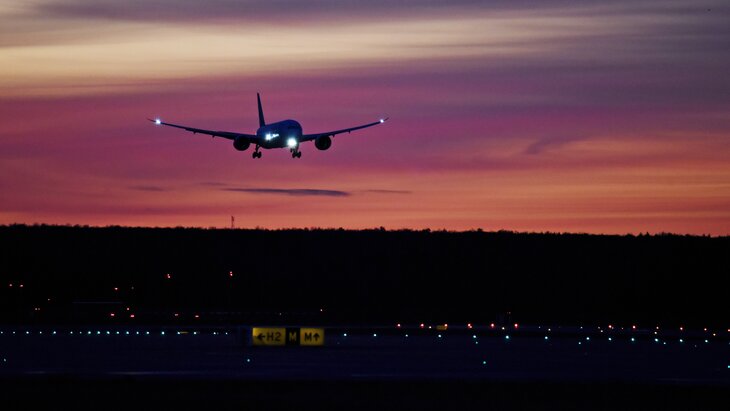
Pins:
<point x="257" y="153"/>
<point x="296" y="153"/>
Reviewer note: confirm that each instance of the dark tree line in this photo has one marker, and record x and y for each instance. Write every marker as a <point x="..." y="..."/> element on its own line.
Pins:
<point x="74" y="274"/>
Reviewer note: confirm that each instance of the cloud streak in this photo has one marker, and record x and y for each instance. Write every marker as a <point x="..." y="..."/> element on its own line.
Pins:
<point x="296" y="192"/>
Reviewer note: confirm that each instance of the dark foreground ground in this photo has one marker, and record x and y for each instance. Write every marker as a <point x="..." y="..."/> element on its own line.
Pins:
<point x="365" y="368"/>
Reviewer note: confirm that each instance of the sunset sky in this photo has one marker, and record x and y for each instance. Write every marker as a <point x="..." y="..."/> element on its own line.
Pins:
<point x="554" y="115"/>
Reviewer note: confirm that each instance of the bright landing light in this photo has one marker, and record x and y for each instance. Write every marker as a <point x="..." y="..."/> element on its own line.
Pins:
<point x="291" y="142"/>
<point x="382" y="120"/>
<point x="158" y="121"/>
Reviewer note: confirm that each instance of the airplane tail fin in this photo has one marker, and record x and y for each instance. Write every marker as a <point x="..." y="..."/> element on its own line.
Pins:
<point x="261" y="111"/>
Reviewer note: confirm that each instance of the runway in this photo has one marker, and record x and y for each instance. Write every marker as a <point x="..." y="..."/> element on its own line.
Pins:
<point x="530" y="353"/>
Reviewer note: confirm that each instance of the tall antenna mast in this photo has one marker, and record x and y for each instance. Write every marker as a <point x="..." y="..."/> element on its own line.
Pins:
<point x="233" y="222"/>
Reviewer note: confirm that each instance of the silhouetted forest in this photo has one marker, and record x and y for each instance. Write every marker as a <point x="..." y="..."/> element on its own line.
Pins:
<point x="63" y="274"/>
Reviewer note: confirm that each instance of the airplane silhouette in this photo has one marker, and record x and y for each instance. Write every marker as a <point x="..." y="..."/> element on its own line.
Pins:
<point x="282" y="134"/>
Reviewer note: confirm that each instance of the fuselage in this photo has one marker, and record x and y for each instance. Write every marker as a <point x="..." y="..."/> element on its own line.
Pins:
<point x="286" y="133"/>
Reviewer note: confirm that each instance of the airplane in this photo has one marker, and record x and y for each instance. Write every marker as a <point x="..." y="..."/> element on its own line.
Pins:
<point x="282" y="134"/>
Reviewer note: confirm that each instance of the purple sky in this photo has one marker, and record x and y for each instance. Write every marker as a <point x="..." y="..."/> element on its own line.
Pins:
<point x="602" y="117"/>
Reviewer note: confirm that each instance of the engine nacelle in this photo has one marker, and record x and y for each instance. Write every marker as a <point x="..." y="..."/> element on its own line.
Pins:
<point x="241" y="144"/>
<point x="323" y="142"/>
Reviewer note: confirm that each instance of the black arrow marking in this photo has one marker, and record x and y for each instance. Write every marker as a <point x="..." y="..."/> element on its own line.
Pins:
<point x="261" y="337"/>
<point x="316" y="337"/>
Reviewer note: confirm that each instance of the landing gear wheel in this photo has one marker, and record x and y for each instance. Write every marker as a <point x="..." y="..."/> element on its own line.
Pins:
<point x="299" y="154"/>
<point x="256" y="154"/>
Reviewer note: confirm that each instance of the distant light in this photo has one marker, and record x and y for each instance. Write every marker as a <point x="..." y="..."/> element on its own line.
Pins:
<point x="375" y="335"/>
<point x="588" y="338"/>
<point x="469" y="326"/>
<point x="546" y="337"/>
<point x="656" y="340"/>
<point x="158" y="121"/>
<point x="681" y="328"/>
<point x="422" y="325"/>
<point x="506" y="337"/>
<point x="633" y="327"/>
<point x="230" y="273"/>
<point x="516" y="325"/>
<point x="162" y="333"/>
<point x="398" y="325"/>
<point x="474" y="336"/>
<point x="485" y="363"/>
<point x="609" y="339"/>
<point x="406" y="335"/>
<point x="168" y="276"/>
<point x="131" y="315"/>
<point x="291" y="142"/>
<point x="491" y="325"/>
<point x="344" y="335"/>
<point x="633" y="339"/>
<point x="197" y="315"/>
<point x="111" y="314"/>
<point x="382" y="120"/>
<point x="116" y="288"/>
<point x="706" y="341"/>
<point x="681" y="340"/>
<point x="439" y="335"/>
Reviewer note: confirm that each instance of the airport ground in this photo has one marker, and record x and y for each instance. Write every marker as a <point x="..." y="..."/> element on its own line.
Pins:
<point x="392" y="367"/>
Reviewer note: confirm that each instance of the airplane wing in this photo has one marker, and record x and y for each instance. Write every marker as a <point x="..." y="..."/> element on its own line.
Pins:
<point x="225" y="134"/>
<point x="308" y="137"/>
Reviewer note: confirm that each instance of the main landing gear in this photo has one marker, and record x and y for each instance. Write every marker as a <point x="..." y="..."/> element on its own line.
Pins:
<point x="257" y="153"/>
<point x="296" y="153"/>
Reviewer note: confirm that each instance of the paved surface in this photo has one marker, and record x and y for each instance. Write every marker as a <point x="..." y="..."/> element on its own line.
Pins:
<point x="528" y="354"/>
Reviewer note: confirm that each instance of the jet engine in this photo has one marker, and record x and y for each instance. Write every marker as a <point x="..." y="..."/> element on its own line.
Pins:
<point x="323" y="142"/>
<point x="241" y="144"/>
